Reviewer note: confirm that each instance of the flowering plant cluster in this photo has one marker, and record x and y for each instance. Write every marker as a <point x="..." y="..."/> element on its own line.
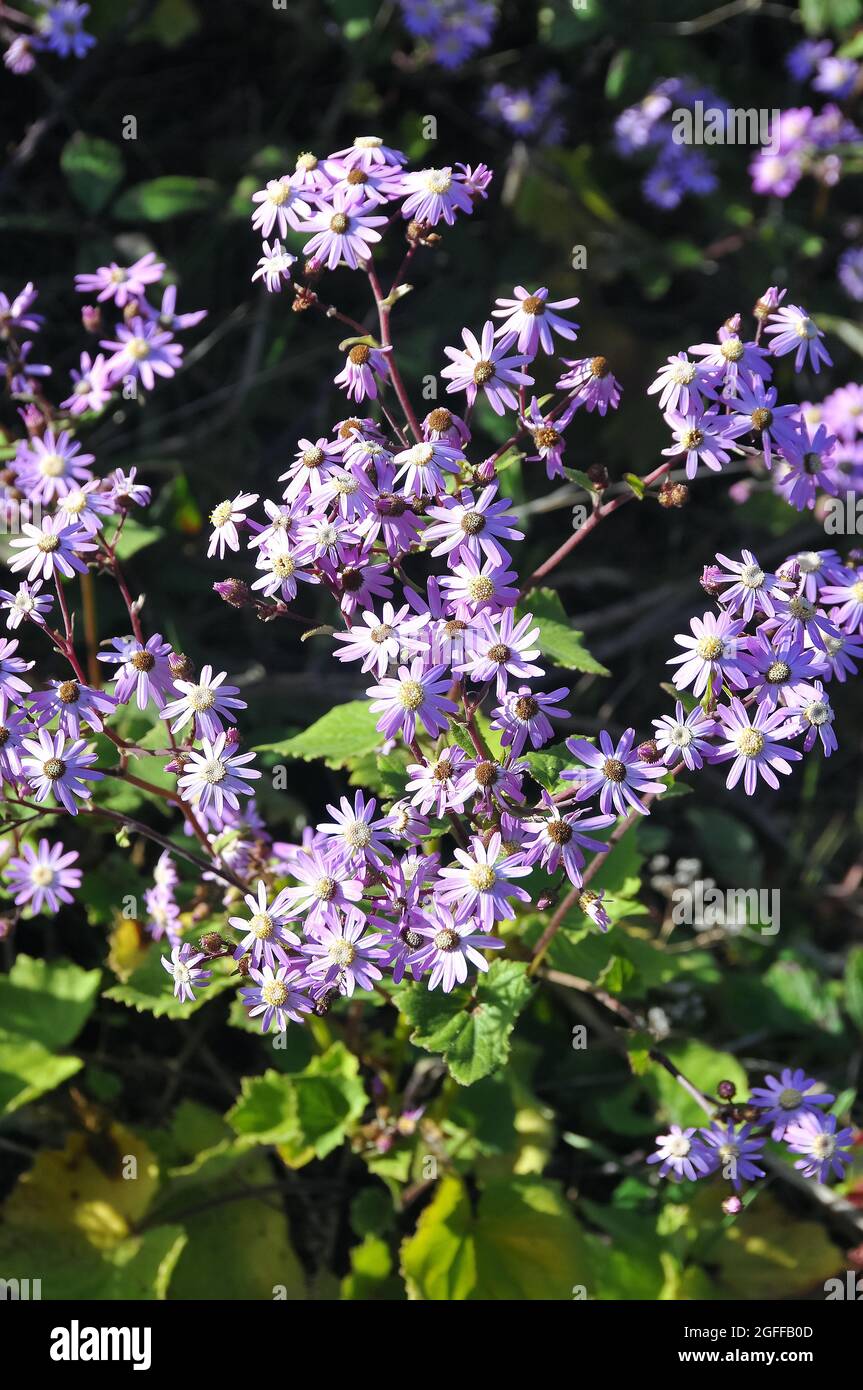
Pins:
<point x="646" y="129"/>
<point x="57" y="27"/>
<point x="417" y="546"/>
<point x="449" y="32"/>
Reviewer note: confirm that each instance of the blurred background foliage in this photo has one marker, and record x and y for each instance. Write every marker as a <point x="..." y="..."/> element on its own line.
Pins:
<point x="313" y="1169"/>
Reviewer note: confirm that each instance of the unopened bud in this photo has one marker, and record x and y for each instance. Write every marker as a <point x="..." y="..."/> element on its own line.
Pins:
<point x="212" y="943"/>
<point x="234" y="592"/>
<point x="725" y="1090"/>
<point x="181" y="666"/>
<point x="732" y="1206"/>
<point x="244" y="965"/>
<point x="598" y="475"/>
<point x="648" y="751"/>
<point x="91" y="318"/>
<point x="711" y="580"/>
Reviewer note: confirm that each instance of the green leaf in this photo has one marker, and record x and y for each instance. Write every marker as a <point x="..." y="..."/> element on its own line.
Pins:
<point x="854" y="986"/>
<point x="348" y="731"/>
<point x="93" y="169"/>
<point x="471" y="1030"/>
<point x="28" y="1070"/>
<point x="160" y="199"/>
<point x="47" y="1001"/>
<point x="306" y="1114"/>
<point x="575" y="475"/>
<point x="135" y="537"/>
<point x="547" y="765"/>
<point x="636" y="484"/>
<point x="523" y="1243"/>
<point x="557" y="639"/>
<point x="371" y="1276"/>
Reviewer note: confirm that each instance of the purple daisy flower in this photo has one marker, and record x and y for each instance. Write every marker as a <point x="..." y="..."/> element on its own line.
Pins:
<point x="276" y="996"/>
<point x="281" y="203"/>
<point x="481" y="881"/>
<point x="26" y="602"/>
<point x="226" y="520"/>
<point x="787" y="1097"/>
<point x="360" y="835"/>
<point x="364" y="364"/>
<point x="342" y="954"/>
<point x="424" y="467"/>
<point x="685" y="736"/>
<point x="502" y="647"/>
<point x="592" y="384"/>
<point x="734" y="1152"/>
<point x="779" y="667"/>
<point x="484" y="364"/>
<point x="712" y="655"/>
<point x="91" y="387"/>
<point x="214" y="776"/>
<point x="681" y="1155"/>
<point x="703" y="437"/>
<point x="54" y="765"/>
<point x="344" y="230"/>
<point x="274" y="266"/>
<point x="491" y="783"/>
<point x="416" y="693"/>
<point x="450" y="945"/>
<point x="465" y="527"/>
<point x="531" y="317"/>
<point x="433" y="194"/>
<point x="526" y="714"/>
<point x="757" y="413"/>
<point x="52" y="466"/>
<point x="122" y="284"/>
<point x="143" y="351"/>
<point x="206" y="701"/>
<point x="15" y="725"/>
<point x="749" y="587"/>
<point x="682" y="384"/>
<point x="42" y="877"/>
<point x="794" y="331"/>
<point x="472" y="588"/>
<point x="826" y="1151"/>
<point x="755" y="745"/>
<point x="73" y="704"/>
<point x="144" y="669"/>
<point x="11" y="668"/>
<point x="813" y="713"/>
<point x="617" y="773"/>
<point x="265" y="934"/>
<point x="325" y="889"/>
<point x="557" y="841"/>
<point x="434" y="786"/>
<point x="50" y="548"/>
<point x="184" y="968"/>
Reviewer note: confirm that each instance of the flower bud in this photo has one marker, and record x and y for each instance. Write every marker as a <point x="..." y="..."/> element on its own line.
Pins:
<point x="725" y="1090"/>
<point x="648" y="751"/>
<point x="212" y="943"/>
<point x="91" y="318"/>
<point x="710" y="580"/>
<point x="598" y="475"/>
<point x="182" y="667"/>
<point x="234" y="592"/>
<point x="732" y="1205"/>
<point x="244" y="965"/>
